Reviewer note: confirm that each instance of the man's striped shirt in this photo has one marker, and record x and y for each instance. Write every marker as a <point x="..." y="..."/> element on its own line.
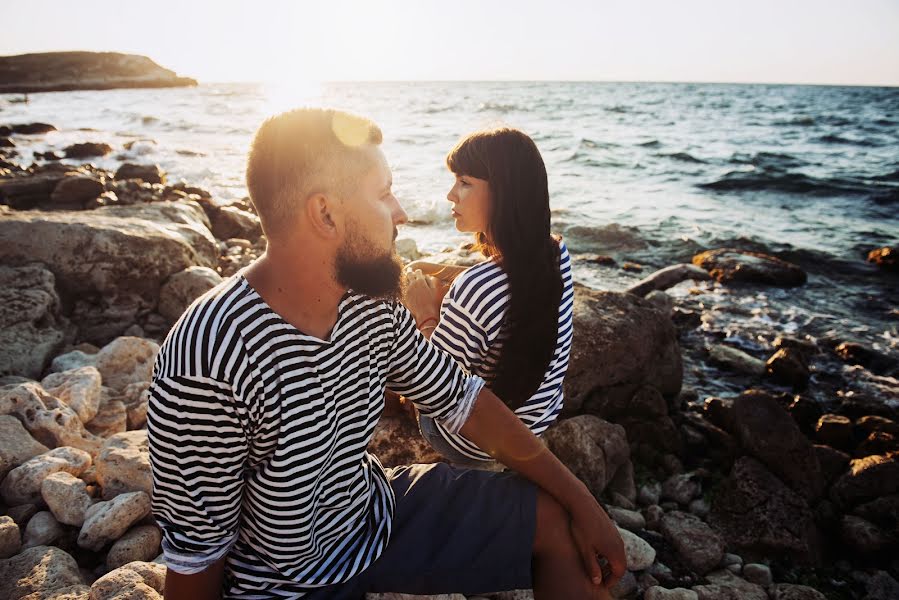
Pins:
<point x="472" y="329"/>
<point x="258" y="437"/>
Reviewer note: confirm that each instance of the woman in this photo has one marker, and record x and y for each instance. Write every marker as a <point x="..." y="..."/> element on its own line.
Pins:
<point x="507" y="319"/>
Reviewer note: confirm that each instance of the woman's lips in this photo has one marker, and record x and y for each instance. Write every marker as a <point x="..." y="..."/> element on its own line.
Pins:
<point x="455" y="214"/>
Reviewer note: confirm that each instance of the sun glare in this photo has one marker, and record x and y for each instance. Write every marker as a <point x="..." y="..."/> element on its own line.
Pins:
<point x="285" y="94"/>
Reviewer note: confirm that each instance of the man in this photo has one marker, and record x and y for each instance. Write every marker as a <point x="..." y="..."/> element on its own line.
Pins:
<point x="267" y="391"/>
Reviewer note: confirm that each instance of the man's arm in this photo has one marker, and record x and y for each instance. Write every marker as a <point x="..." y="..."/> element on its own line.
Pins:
<point x="497" y="431"/>
<point x="205" y="585"/>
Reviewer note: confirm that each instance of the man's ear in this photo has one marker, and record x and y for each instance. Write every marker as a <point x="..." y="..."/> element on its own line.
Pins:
<point x="321" y="212"/>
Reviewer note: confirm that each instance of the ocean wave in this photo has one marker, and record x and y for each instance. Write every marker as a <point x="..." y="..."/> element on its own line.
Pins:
<point x="801" y="120"/>
<point x="651" y="144"/>
<point x="613" y="236"/>
<point x="682" y="157"/>
<point x="768" y="160"/>
<point x="776" y="180"/>
<point x="831" y="138"/>
<point x="499" y="107"/>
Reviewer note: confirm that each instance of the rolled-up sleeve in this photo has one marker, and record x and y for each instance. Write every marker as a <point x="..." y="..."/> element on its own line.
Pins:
<point x="198" y="453"/>
<point x="428" y="376"/>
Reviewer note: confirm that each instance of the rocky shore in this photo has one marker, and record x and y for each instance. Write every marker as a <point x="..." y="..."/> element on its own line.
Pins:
<point x="66" y="71"/>
<point x="787" y="488"/>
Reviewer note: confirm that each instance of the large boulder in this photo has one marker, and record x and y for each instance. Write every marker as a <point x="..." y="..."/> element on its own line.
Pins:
<point x="596" y="451"/>
<point x="621" y="343"/>
<point x="760" y="516"/>
<point x="115" y="250"/>
<point x="728" y="265"/>
<point x="767" y="431"/>
<point x="31" y="329"/>
<point x="182" y="288"/>
<point x="41" y="570"/>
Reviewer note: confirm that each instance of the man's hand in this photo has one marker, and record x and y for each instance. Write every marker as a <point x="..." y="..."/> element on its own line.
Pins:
<point x="423" y="295"/>
<point x="597" y="539"/>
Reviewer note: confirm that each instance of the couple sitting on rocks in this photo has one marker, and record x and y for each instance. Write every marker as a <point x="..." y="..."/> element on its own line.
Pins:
<point x="267" y="391"/>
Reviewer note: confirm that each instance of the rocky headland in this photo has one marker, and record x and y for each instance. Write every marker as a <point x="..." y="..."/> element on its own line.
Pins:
<point x="65" y="71"/>
<point x="786" y="488"/>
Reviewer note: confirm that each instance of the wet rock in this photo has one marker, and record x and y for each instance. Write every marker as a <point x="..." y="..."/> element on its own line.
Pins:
<point x="48" y="420"/>
<point x="147" y="173"/>
<point x="125" y="361"/>
<point x="789" y="366"/>
<point x="87" y="150"/>
<point x="728" y="265"/>
<point x="232" y="222"/>
<point x="863" y="536"/>
<point x="40" y="570"/>
<point x="681" y="488"/>
<point x="873" y="423"/>
<point x="868" y="478"/>
<point x="31" y="329"/>
<point x="640" y="554"/>
<point x="659" y="593"/>
<point x="858" y="354"/>
<point x="134" y="581"/>
<point x="78" y="388"/>
<point x="834" y="430"/>
<point x="16" y="444"/>
<point x="638" y="344"/>
<point x="724" y="585"/>
<point x="123" y="464"/>
<point x="23" y="484"/>
<point x="108" y="521"/>
<point x="760" y="516"/>
<point x="10" y="537"/>
<point x="737" y="360"/>
<point x="787" y="591"/>
<point x="76" y="190"/>
<point x="628" y="519"/>
<point x="833" y="462"/>
<point x="887" y="258"/>
<point x="140" y="543"/>
<point x="111" y="252"/>
<point x="32" y="128"/>
<point x="595" y="451"/>
<point x="766" y="431"/>
<point x="67" y="498"/>
<point x="182" y="288"/>
<point x="43" y="529"/>
<point x="700" y="547"/>
<point x="112" y="418"/>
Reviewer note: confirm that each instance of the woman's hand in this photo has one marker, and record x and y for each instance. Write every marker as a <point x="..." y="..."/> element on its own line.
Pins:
<point x="423" y="295"/>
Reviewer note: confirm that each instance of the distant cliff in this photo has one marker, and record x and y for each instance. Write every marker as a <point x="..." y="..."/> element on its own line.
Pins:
<point x="64" y="71"/>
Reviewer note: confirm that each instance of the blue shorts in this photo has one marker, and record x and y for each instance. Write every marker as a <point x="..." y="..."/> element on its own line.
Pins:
<point x="455" y="530"/>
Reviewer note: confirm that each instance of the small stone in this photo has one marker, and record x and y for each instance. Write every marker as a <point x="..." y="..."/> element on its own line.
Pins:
<point x="112" y="418"/>
<point x="649" y="493"/>
<point x="724" y="585"/>
<point x="108" y="521"/>
<point x="789" y="366"/>
<point x="126" y="360"/>
<point x="10" y="537"/>
<point x="181" y="289"/>
<point x="640" y="555"/>
<point x="622" y="501"/>
<point x="700" y="546"/>
<point x="758" y="573"/>
<point x="140" y="543"/>
<point x="23" y="484"/>
<point x="147" y="173"/>
<point x="43" y="529"/>
<point x="731" y="559"/>
<point x="735" y="569"/>
<point x="681" y="488"/>
<point x="737" y="360"/>
<point x="87" y="150"/>
<point x="67" y="498"/>
<point x="72" y="360"/>
<point x="628" y="519"/>
<point x="76" y="190"/>
<point x="660" y="593"/>
<point x="654" y="514"/>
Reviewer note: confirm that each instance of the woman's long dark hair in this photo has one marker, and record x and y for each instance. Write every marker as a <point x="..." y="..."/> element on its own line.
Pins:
<point x="518" y="238"/>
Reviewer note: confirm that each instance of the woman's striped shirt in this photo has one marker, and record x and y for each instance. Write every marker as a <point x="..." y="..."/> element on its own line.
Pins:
<point x="258" y="437"/>
<point x="472" y="329"/>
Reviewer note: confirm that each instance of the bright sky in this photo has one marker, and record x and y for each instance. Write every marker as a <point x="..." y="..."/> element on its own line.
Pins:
<point x="789" y="41"/>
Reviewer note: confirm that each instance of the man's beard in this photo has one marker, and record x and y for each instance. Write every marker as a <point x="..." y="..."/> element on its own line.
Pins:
<point x="361" y="267"/>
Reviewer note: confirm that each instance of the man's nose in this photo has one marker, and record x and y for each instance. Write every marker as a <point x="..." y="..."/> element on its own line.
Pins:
<point x="399" y="214"/>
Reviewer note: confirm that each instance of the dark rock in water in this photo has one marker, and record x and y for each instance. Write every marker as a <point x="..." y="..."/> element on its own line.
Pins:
<point x="868" y="478"/>
<point x="48" y="155"/>
<point x="835" y="430"/>
<point x="29" y="128"/>
<point x="64" y="71"/>
<point x="833" y="462"/>
<point x="760" y="516"/>
<point x="621" y="343"/>
<point x="887" y="258"/>
<point x="860" y="405"/>
<point x="807" y="347"/>
<point x="858" y="354"/>
<point x="76" y="190"/>
<point x="31" y="329"/>
<point x="872" y="423"/>
<point x="767" y="431"/>
<point x="5" y="142"/>
<point x="789" y="365"/>
<point x="87" y="150"/>
<point x="148" y="173"/>
<point x="728" y="265"/>
<point x="23" y="193"/>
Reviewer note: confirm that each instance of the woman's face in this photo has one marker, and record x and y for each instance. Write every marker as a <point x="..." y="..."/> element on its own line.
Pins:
<point x="471" y="204"/>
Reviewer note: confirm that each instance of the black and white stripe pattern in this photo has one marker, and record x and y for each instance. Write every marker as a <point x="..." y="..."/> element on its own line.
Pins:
<point x="258" y="437"/>
<point x="471" y="324"/>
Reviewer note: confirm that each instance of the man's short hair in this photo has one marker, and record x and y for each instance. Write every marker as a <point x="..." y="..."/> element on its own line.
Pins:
<point x="302" y="152"/>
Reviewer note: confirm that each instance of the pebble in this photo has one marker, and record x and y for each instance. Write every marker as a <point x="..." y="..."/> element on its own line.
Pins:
<point x="629" y="519"/>
<point x="654" y="516"/>
<point x="640" y="555"/>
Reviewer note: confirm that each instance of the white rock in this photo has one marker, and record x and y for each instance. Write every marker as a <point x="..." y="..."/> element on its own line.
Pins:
<point x="108" y="521"/>
<point x="140" y="543"/>
<point x="10" y="537"/>
<point x="42" y="530"/>
<point x="638" y="551"/>
<point x="77" y="388"/>
<point x="123" y="464"/>
<point x="23" y="484"/>
<point x="67" y="497"/>
<point x="126" y="360"/>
